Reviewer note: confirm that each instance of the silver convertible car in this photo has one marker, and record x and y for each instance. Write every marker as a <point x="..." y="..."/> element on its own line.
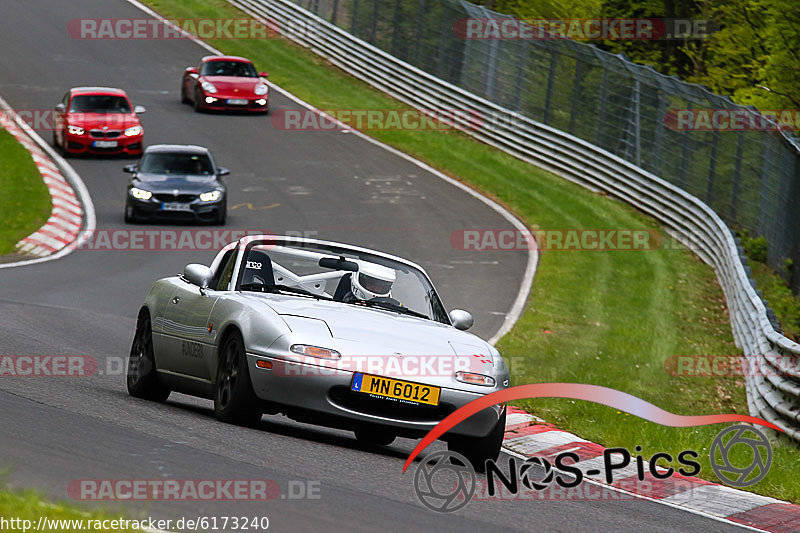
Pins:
<point x="325" y="333"/>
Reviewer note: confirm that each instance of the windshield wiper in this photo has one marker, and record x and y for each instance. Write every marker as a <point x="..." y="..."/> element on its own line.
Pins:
<point x="281" y="288"/>
<point x="392" y="307"/>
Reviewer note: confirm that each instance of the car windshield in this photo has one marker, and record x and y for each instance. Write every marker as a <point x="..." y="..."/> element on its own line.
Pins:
<point x="327" y="272"/>
<point x="238" y="69"/>
<point x="176" y="163"/>
<point x="99" y="103"/>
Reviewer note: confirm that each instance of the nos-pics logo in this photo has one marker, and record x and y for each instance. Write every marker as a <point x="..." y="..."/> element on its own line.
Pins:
<point x="445" y="481"/>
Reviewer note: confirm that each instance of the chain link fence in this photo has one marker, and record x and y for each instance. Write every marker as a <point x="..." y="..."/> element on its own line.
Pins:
<point x="748" y="176"/>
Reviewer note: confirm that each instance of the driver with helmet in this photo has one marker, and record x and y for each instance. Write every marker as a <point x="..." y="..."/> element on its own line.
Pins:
<point x="371" y="281"/>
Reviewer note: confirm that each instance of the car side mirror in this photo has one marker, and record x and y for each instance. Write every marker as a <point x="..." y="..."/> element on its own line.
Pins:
<point x="192" y="70"/>
<point x="222" y="171"/>
<point x="199" y="275"/>
<point x="263" y="74"/>
<point x="461" y="319"/>
<point x="139" y="109"/>
<point x="129" y="169"/>
<point x="61" y="108"/>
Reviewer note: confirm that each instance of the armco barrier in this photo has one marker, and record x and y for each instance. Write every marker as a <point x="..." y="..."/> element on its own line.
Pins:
<point x="774" y="396"/>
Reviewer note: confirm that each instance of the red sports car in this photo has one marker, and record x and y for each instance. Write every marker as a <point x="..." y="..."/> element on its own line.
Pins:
<point x="225" y="83"/>
<point x="97" y="120"/>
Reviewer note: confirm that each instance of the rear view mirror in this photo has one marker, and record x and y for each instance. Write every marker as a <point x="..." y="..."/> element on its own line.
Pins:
<point x="129" y="169"/>
<point x="139" y="109"/>
<point x="61" y="108"/>
<point x="192" y="70"/>
<point x="222" y="171"/>
<point x="199" y="275"/>
<point x="263" y="74"/>
<point x="338" y="264"/>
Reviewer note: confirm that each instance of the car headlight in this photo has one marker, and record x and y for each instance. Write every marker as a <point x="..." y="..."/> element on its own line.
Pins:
<point x="210" y="196"/>
<point x="140" y="194"/>
<point x="261" y="89"/>
<point x="475" y="379"/>
<point x="209" y="87"/>
<point x="315" y="351"/>
<point x="134" y="131"/>
<point x="75" y="130"/>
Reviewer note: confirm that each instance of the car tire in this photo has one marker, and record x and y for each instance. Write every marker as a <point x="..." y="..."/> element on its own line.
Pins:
<point x="222" y="215"/>
<point x="375" y="436"/>
<point x="142" y="377"/>
<point x="197" y="104"/>
<point x="234" y="399"/>
<point x="130" y="215"/>
<point x="478" y="450"/>
<point x="58" y="146"/>
<point x="184" y="97"/>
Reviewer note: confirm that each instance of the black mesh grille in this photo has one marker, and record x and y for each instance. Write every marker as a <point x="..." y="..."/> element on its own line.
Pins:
<point x="181" y="198"/>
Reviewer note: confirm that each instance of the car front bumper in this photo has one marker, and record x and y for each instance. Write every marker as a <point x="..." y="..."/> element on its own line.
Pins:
<point x="84" y="144"/>
<point x="196" y="210"/>
<point x="255" y="104"/>
<point x="325" y="392"/>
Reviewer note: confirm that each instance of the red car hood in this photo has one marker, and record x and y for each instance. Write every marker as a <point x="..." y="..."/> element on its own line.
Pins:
<point x="229" y="85"/>
<point x="113" y="121"/>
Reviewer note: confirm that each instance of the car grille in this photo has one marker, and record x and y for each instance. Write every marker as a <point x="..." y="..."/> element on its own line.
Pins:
<point x="100" y="134"/>
<point x="181" y="198"/>
<point x="363" y="403"/>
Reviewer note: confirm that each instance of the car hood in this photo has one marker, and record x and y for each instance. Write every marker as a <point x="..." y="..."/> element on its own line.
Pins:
<point x="361" y="330"/>
<point x="228" y="84"/>
<point x="112" y="121"/>
<point x="161" y="183"/>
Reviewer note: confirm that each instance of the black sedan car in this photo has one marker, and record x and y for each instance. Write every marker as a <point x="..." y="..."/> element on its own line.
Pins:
<point x="178" y="182"/>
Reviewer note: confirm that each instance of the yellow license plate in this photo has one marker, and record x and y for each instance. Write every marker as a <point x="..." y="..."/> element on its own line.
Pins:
<point x="394" y="388"/>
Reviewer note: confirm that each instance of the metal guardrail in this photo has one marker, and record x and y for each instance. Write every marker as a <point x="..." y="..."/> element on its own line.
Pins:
<point x="773" y="393"/>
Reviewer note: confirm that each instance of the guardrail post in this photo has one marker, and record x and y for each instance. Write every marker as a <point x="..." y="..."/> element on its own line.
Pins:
<point x="373" y="31"/>
<point x="712" y="167"/>
<point x="737" y="176"/>
<point x="684" y="166"/>
<point x="603" y="104"/>
<point x="354" y="17"/>
<point x="548" y="95"/>
<point x="420" y="25"/>
<point x="576" y="94"/>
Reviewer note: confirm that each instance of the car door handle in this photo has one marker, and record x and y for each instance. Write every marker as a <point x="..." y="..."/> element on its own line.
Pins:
<point x="176" y="300"/>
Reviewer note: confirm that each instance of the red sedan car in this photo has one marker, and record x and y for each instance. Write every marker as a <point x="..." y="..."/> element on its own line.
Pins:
<point x="98" y="120"/>
<point x="225" y="83"/>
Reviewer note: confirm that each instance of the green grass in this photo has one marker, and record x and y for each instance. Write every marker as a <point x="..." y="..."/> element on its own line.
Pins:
<point x="779" y="297"/>
<point x="24" y="203"/>
<point x="772" y="285"/>
<point x="606" y="318"/>
<point x="30" y="506"/>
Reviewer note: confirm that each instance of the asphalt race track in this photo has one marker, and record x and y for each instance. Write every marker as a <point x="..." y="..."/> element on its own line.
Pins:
<point x="329" y="185"/>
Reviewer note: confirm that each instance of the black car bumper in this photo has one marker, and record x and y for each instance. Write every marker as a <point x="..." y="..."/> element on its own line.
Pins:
<point x="195" y="211"/>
